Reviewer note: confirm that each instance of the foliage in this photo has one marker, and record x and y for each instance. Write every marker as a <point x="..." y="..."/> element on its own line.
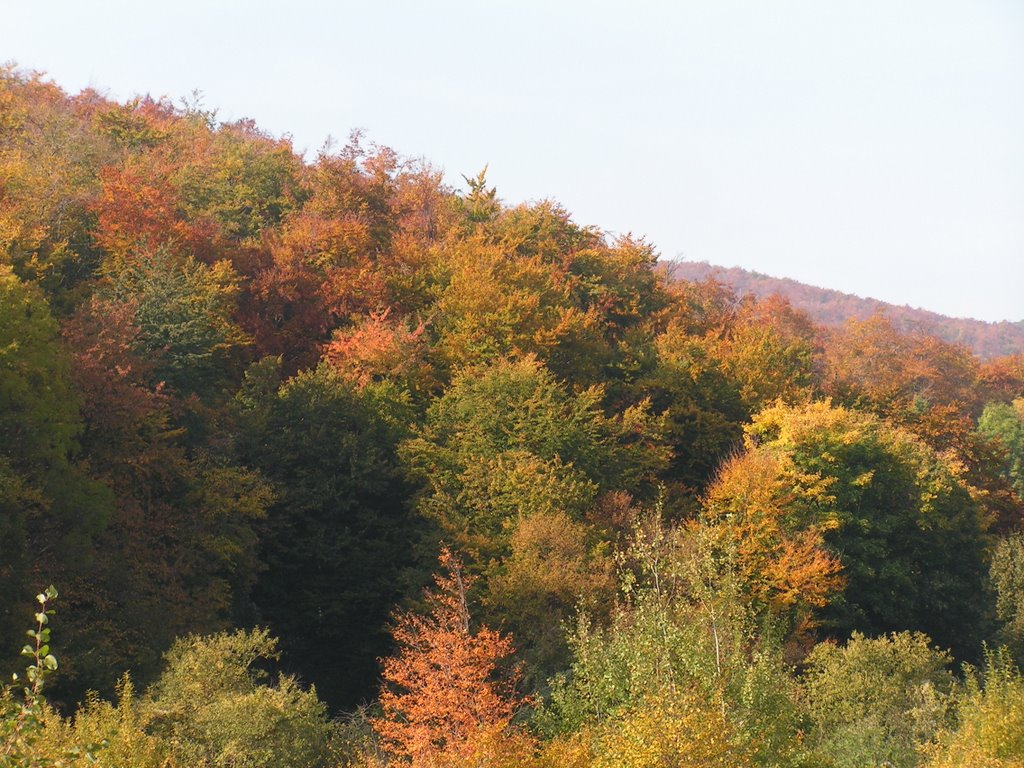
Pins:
<point x="874" y="700"/>
<point x="214" y="705"/>
<point x="989" y="730"/>
<point x="504" y="422"/>
<point x="684" y="636"/>
<point x="38" y="412"/>
<point x="433" y="362"/>
<point x="703" y="409"/>
<point x="1007" y="577"/>
<point x="1005" y="422"/>
<point x="439" y="695"/>
<point x="22" y="712"/>
<point x="338" y="538"/>
<point x="381" y="348"/>
<point x="887" y="507"/>
<point x="51" y="511"/>
<point x="553" y="566"/>
<point x="830" y="308"/>
<point x="50" y="158"/>
<point x="679" y="730"/>
<point x="117" y="734"/>
<point x="769" y="353"/>
<point x="777" y="518"/>
<point x="182" y="309"/>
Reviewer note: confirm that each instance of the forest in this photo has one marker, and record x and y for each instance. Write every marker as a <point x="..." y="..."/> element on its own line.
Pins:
<point x="322" y="462"/>
<point x="827" y="307"/>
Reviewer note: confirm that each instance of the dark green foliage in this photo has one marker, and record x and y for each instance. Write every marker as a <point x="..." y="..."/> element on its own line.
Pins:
<point x="703" y="410"/>
<point x="1007" y="576"/>
<point x="338" y="539"/>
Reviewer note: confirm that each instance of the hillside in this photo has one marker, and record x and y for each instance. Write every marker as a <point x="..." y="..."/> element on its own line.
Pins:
<point x="829" y="307"/>
<point x="330" y="464"/>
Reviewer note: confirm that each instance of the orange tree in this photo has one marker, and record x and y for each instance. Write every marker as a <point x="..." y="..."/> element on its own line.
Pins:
<point x="440" y="694"/>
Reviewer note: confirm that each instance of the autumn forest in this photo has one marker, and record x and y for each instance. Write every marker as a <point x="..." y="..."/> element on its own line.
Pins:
<point x="332" y="464"/>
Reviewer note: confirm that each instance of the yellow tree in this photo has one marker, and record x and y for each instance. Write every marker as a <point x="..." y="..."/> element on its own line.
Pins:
<point x="777" y="518"/>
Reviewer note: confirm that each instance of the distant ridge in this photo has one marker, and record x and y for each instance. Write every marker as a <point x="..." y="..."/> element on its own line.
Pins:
<point x="831" y="308"/>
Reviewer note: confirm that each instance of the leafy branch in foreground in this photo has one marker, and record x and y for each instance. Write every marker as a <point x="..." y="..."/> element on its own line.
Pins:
<point x="21" y="716"/>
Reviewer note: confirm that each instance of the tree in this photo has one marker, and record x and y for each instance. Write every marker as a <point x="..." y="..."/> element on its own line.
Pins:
<point x="507" y="439"/>
<point x="338" y="540"/>
<point x="529" y="280"/>
<point x="874" y="700"/>
<point x="682" y="650"/>
<point x="138" y="209"/>
<point x="768" y="352"/>
<point x="440" y="694"/>
<point x="989" y="730"/>
<point x="555" y="565"/>
<point x="50" y="157"/>
<point x="216" y="705"/>
<point x="903" y="523"/>
<point x="180" y="548"/>
<point x="1007" y="578"/>
<point x="702" y="407"/>
<point x="679" y="730"/>
<point x="50" y="510"/>
<point x="183" y="311"/>
<point x="381" y="348"/>
<point x="492" y="303"/>
<point x="913" y="380"/>
<point x="777" y="519"/>
<point x="22" y="713"/>
<point x="1005" y="422"/>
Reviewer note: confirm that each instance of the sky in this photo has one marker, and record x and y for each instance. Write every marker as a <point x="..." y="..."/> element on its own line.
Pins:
<point x="873" y="147"/>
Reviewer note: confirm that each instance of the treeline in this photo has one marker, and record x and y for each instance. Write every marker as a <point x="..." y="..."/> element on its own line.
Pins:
<point x="247" y="401"/>
<point x="833" y="308"/>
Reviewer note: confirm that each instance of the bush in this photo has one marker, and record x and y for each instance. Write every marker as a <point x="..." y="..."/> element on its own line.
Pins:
<point x="873" y="700"/>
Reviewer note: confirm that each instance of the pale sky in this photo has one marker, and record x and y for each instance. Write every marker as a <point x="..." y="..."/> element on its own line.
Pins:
<point x="871" y="146"/>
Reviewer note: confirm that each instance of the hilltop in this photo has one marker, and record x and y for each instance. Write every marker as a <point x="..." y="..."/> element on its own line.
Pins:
<point x="829" y="307"/>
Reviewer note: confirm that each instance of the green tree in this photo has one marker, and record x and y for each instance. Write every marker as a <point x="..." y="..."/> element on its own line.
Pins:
<point x="180" y="548"/>
<point x="215" y="705"/>
<point x="183" y="310"/>
<point x="337" y="541"/>
<point x="684" y="641"/>
<point x="873" y="700"/>
<point x="50" y="510"/>
<point x="909" y="535"/>
<point x="507" y="439"/>
<point x="702" y="407"/>
<point x="989" y="728"/>
<point x="1007" y="577"/>
<point x="1005" y="422"/>
<point x="513" y="464"/>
